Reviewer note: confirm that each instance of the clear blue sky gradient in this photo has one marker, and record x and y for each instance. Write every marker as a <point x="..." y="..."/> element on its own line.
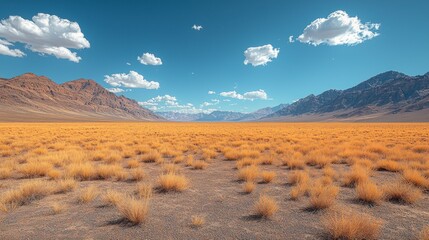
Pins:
<point x="119" y="31"/>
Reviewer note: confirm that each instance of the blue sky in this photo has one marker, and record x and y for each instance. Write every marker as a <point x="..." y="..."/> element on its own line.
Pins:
<point x="391" y="35"/>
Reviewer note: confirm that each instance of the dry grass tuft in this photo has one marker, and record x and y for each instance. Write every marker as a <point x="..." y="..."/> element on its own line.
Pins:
<point x="355" y="176"/>
<point x="266" y="207"/>
<point x="134" y="210"/>
<point x="152" y="156"/>
<point x="197" y="221"/>
<point x="137" y="174"/>
<point x="88" y="195"/>
<point x="351" y="226"/>
<point x="249" y="174"/>
<point x="144" y="190"/>
<point x="25" y="193"/>
<point x="388" y="165"/>
<point x="249" y="187"/>
<point x="133" y="163"/>
<point x="112" y="198"/>
<point x="268" y="176"/>
<point x="172" y="182"/>
<point x="402" y="193"/>
<point x="298" y="177"/>
<point x="368" y="192"/>
<point x="322" y="197"/>
<point x="58" y="208"/>
<point x="199" y="165"/>
<point x="65" y="185"/>
<point x="416" y="178"/>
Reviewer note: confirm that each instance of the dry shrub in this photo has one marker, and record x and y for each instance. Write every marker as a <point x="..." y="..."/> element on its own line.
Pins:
<point x="178" y="159"/>
<point x="368" y="192"/>
<point x="268" y="176"/>
<point x="298" y="177"/>
<point x="170" y="168"/>
<point x="197" y="221"/>
<point x="112" y="198"/>
<point x="172" y="182"/>
<point x="265" y="207"/>
<point x="298" y="191"/>
<point x="317" y="159"/>
<point x="268" y="160"/>
<point x="199" y="165"/>
<point x="388" y="165"/>
<point x="58" y="208"/>
<point x="25" y="193"/>
<point x="152" y="156"/>
<point x="249" y="187"/>
<point x="244" y="162"/>
<point x="144" y="190"/>
<point x="416" y="178"/>
<point x="108" y="171"/>
<point x="355" y="176"/>
<point x="134" y="210"/>
<point x="35" y="169"/>
<point x="133" y="163"/>
<point x="294" y="163"/>
<point x="137" y="174"/>
<point x="402" y="192"/>
<point x="81" y="171"/>
<point x="5" y="173"/>
<point x="248" y="174"/>
<point x="54" y="174"/>
<point x="65" y="185"/>
<point x="351" y="226"/>
<point x="88" y="195"/>
<point x="322" y="197"/>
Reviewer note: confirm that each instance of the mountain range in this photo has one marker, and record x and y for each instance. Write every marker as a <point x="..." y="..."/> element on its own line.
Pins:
<point x="29" y="97"/>
<point x="390" y="96"/>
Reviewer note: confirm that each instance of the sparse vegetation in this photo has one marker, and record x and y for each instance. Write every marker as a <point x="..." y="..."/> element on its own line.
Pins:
<point x="266" y="206"/>
<point x="197" y="221"/>
<point x="134" y="210"/>
<point x="88" y="194"/>
<point x="368" y="192"/>
<point x="402" y="192"/>
<point x="172" y="182"/>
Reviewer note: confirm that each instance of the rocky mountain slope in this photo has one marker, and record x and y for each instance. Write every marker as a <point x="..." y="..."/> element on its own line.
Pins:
<point x="386" y="94"/>
<point x="37" y="98"/>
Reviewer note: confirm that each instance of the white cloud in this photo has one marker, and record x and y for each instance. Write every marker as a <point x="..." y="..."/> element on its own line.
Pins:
<point x="338" y="29"/>
<point x="213" y="102"/>
<point x="129" y="64"/>
<point x="5" y="49"/>
<point x="115" y="90"/>
<point x="197" y="27"/>
<point x="170" y="103"/>
<point x="211" y="92"/>
<point x="130" y="80"/>
<point x="291" y="40"/>
<point x="44" y="34"/>
<point x="260" y="55"/>
<point x="149" y="59"/>
<point x="253" y="95"/>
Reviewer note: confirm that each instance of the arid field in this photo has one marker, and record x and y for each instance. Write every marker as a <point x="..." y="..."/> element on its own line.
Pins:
<point x="214" y="181"/>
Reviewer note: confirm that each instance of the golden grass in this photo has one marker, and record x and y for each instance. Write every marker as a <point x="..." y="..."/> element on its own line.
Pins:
<point x="402" y="192"/>
<point x="199" y="165"/>
<point x="58" y="208"/>
<point x="134" y="210"/>
<point x="249" y="187"/>
<point x="298" y="177"/>
<point x="322" y="197"/>
<point x="151" y="156"/>
<point x="25" y="193"/>
<point x="197" y="221"/>
<point x="416" y="177"/>
<point x="112" y="198"/>
<point x="248" y="174"/>
<point x="265" y="207"/>
<point x="88" y="195"/>
<point x="356" y="175"/>
<point x="368" y="192"/>
<point x="172" y="182"/>
<point x="268" y="176"/>
<point x="133" y="163"/>
<point x="351" y="226"/>
<point x="144" y="190"/>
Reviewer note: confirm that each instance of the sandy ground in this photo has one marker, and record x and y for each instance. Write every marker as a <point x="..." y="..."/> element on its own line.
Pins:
<point x="215" y="194"/>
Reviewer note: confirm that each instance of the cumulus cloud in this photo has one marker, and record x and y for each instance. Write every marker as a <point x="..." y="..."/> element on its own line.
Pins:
<point x="211" y="92"/>
<point x="338" y="29"/>
<point x="253" y="95"/>
<point x="44" y="34"/>
<point x="6" y="50"/>
<point x="170" y="103"/>
<point x="211" y="103"/>
<point x="149" y="59"/>
<point x="291" y="40"/>
<point x="115" y="90"/>
<point x="130" y="80"/>
<point x="260" y="55"/>
<point x="197" y="27"/>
